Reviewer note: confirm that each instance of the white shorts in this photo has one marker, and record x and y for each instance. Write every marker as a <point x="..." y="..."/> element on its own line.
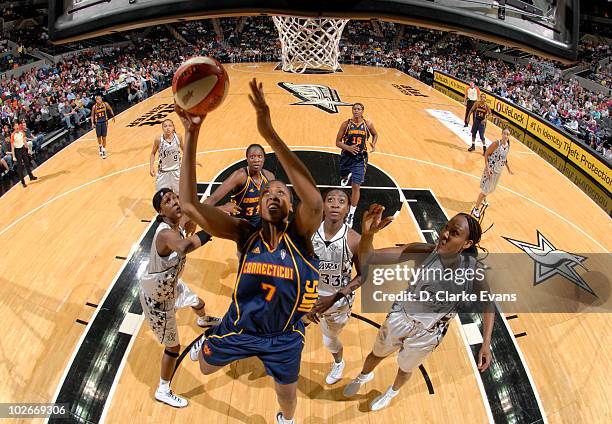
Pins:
<point x="168" y="179"/>
<point x="413" y="341"/>
<point x="332" y="323"/>
<point x="161" y="316"/>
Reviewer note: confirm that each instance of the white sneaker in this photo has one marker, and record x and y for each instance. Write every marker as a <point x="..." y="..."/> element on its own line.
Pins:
<point x="168" y="397"/>
<point x="349" y="220"/>
<point x="196" y="348"/>
<point x="208" y="321"/>
<point x="100" y="151"/>
<point x="382" y="401"/>
<point x="475" y="212"/>
<point x="353" y="387"/>
<point x="335" y="374"/>
<point x="103" y="154"/>
<point x="280" y="419"/>
<point x="344" y="181"/>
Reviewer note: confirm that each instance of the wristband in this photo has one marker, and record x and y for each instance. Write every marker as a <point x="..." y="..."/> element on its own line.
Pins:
<point x="203" y="236"/>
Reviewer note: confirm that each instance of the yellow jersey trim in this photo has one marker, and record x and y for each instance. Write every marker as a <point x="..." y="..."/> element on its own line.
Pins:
<point x="299" y="280"/>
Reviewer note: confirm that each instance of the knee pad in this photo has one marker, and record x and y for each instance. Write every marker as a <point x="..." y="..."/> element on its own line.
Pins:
<point x="171" y="353"/>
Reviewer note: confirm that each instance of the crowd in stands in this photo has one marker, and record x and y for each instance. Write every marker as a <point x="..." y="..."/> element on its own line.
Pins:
<point x="62" y="94"/>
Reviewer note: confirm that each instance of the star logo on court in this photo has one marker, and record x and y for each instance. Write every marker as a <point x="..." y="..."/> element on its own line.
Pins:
<point x="550" y="261"/>
<point x="319" y="96"/>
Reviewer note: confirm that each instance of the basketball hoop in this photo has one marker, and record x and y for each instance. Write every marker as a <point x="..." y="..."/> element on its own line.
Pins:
<point x="309" y="43"/>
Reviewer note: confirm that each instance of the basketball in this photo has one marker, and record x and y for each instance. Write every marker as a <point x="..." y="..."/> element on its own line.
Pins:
<point x="199" y="85"/>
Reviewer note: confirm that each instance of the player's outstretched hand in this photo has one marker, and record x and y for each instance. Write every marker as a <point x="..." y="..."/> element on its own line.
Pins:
<point x="190" y="227"/>
<point x="324" y="303"/>
<point x="231" y="208"/>
<point x="353" y="149"/>
<point x="372" y="221"/>
<point x="258" y="100"/>
<point x="189" y="121"/>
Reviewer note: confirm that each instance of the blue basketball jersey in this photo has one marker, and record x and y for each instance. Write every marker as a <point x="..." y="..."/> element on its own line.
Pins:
<point x="274" y="288"/>
<point x="356" y="135"/>
<point x="247" y="198"/>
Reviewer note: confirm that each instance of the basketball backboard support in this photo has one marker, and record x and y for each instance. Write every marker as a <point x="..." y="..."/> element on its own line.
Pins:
<point x="545" y="27"/>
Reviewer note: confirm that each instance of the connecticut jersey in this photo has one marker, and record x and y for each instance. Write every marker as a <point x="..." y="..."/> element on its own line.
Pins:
<point x="275" y="287"/>
<point x="247" y="198"/>
<point x="356" y="135"/>
<point x="480" y="112"/>
<point x="100" y="112"/>
<point x="335" y="260"/>
<point x="169" y="154"/>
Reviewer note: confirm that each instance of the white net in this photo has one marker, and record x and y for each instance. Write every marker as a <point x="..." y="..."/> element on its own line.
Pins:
<point x="309" y="43"/>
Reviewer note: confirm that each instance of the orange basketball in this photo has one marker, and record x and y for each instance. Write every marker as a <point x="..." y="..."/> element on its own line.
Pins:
<point x="199" y="85"/>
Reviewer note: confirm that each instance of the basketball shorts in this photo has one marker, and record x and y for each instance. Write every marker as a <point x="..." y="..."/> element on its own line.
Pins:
<point x="161" y="315"/>
<point x="355" y="165"/>
<point x="101" y="128"/>
<point x="168" y="179"/>
<point x="413" y="341"/>
<point x="479" y="127"/>
<point x="332" y="323"/>
<point x="281" y="354"/>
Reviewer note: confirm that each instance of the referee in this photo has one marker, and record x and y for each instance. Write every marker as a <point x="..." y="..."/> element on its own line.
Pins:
<point x="99" y="119"/>
<point x="471" y="96"/>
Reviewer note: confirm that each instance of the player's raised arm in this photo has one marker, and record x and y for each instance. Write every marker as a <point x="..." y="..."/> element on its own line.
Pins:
<point x="310" y="210"/>
<point x="372" y="223"/>
<point x="236" y="179"/>
<point x="211" y="219"/>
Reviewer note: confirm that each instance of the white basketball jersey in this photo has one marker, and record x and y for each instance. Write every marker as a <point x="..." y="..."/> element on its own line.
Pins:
<point x="335" y="260"/>
<point x="169" y="154"/>
<point x="163" y="272"/>
<point x="497" y="159"/>
<point x="425" y="306"/>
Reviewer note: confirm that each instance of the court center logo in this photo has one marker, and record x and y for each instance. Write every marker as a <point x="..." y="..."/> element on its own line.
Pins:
<point x="550" y="261"/>
<point x="154" y="116"/>
<point x="319" y="96"/>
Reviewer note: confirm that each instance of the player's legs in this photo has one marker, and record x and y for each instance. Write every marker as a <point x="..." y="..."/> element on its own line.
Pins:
<point x="286" y="394"/>
<point x="482" y="198"/>
<point x="163" y="324"/>
<point x="185" y="297"/>
<point x="331" y="327"/>
<point x="103" y="132"/>
<point x="206" y="368"/>
<point x="388" y="340"/>
<point x="358" y="170"/>
<point x="475" y="125"/>
<point x="345" y="168"/>
<point x="416" y="346"/>
<point x="355" y="194"/>
<point x="481" y="131"/>
<point x="168" y="361"/>
<point x="204" y="320"/>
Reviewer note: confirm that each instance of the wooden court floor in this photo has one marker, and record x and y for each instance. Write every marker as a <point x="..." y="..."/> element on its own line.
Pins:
<point x="62" y="234"/>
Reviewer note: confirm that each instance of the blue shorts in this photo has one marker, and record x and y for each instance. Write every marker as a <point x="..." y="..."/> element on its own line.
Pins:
<point x="478" y="126"/>
<point x="281" y="354"/>
<point x="101" y="128"/>
<point x="355" y="165"/>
